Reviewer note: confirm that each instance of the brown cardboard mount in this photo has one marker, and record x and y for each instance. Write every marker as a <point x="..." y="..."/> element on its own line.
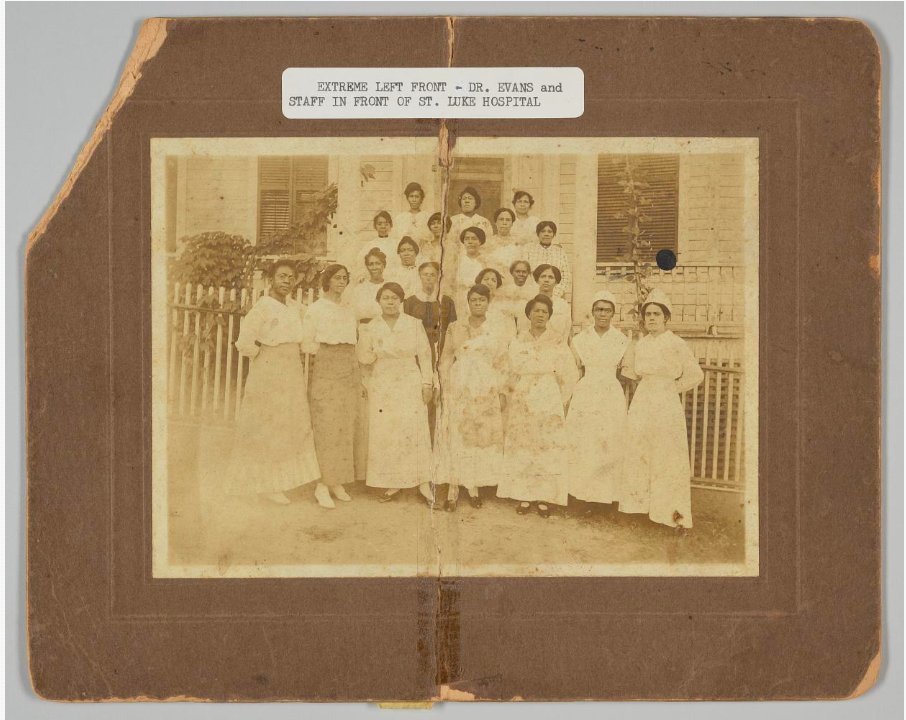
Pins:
<point x="101" y="628"/>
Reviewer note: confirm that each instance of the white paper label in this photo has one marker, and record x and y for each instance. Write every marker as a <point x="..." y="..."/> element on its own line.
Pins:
<point x="504" y="92"/>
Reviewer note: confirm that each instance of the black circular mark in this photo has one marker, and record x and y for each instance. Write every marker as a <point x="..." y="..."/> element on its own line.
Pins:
<point x="666" y="259"/>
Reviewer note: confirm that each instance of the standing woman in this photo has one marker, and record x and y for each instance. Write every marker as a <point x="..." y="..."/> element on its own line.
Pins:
<point x="361" y="297"/>
<point x="596" y="423"/>
<point x="406" y="273"/>
<point x="548" y="277"/>
<point x="506" y="247"/>
<point x="395" y="349"/>
<point x="383" y="241"/>
<point x="542" y="374"/>
<point x="329" y="333"/>
<point x="469" y="201"/>
<point x="472" y="374"/>
<point x="471" y="262"/>
<point x="497" y="313"/>
<point x="546" y="251"/>
<point x="524" y="223"/>
<point x="274" y="447"/>
<point x="516" y="293"/>
<point x="431" y="248"/>
<point x="413" y="221"/>
<point x="656" y="474"/>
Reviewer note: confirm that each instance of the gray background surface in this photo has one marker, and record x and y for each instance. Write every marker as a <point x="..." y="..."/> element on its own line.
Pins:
<point x="63" y="63"/>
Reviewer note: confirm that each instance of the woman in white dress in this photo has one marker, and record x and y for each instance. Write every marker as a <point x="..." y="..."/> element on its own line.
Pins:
<point x="524" y="223"/>
<point x="470" y="263"/>
<point x="472" y="375"/>
<point x="518" y="290"/>
<point x="394" y="349"/>
<point x="504" y="248"/>
<point x="361" y="297"/>
<point x="469" y="201"/>
<point x="542" y="374"/>
<point x="274" y="446"/>
<point x="502" y="322"/>
<point x="656" y="475"/>
<point x="329" y="334"/>
<point x="596" y="421"/>
<point x="431" y="245"/>
<point x="384" y="240"/>
<point x="412" y="222"/>
<point x="547" y="278"/>
<point x="406" y="272"/>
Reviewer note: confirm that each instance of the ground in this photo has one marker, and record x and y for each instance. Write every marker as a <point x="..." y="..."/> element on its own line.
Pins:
<point x="212" y="535"/>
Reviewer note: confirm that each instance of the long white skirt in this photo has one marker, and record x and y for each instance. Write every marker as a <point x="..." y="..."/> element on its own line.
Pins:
<point x="399" y="440"/>
<point x="656" y="474"/>
<point x="596" y="428"/>
<point x="274" y="447"/>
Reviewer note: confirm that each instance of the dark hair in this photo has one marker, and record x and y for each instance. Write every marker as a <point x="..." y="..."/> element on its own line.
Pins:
<point x="414" y="187"/>
<point x="393" y="287"/>
<point x="479" y="289"/>
<point x="469" y="190"/>
<point x="406" y="240"/>
<point x="662" y="307"/>
<point x="545" y="223"/>
<point x="522" y="193"/>
<point x="430" y="264"/>
<point x="500" y="212"/>
<point x="382" y="214"/>
<point x="279" y="263"/>
<point x="536" y="273"/>
<point x="376" y="252"/>
<point x="480" y="276"/>
<point x="544" y="300"/>
<point x="477" y="231"/>
<point x="440" y="218"/>
<point x="328" y="272"/>
<point x="520" y="262"/>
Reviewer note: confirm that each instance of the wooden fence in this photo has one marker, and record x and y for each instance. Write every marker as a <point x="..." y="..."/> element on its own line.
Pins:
<point x="206" y="376"/>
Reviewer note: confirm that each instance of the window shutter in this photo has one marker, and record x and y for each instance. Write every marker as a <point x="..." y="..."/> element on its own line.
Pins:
<point x="273" y="195"/>
<point x="661" y="172"/>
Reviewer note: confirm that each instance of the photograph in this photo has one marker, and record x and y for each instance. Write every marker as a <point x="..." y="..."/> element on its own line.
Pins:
<point x="517" y="356"/>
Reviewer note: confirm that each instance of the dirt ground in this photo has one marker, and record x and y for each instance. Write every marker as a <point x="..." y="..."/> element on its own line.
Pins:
<point x="207" y="528"/>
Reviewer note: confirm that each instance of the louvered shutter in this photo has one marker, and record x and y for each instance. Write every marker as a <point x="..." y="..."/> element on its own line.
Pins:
<point x="273" y="192"/>
<point x="661" y="172"/>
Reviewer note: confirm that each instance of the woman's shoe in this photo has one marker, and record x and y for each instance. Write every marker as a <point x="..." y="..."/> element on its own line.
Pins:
<point x="543" y="510"/>
<point x="278" y="498"/>
<point x="523" y="508"/>
<point x="388" y="496"/>
<point x="475" y="501"/>
<point x="339" y="492"/>
<point x="322" y="495"/>
<point x="450" y="506"/>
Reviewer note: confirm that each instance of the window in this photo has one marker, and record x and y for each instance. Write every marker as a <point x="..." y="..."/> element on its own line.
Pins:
<point x="286" y="189"/>
<point x="661" y="173"/>
<point x="485" y="174"/>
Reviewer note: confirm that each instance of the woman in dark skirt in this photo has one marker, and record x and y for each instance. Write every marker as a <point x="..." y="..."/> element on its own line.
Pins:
<point x="329" y="333"/>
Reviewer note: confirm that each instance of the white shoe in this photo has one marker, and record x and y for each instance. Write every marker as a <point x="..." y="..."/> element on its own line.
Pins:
<point x="322" y="495"/>
<point x="278" y="498"/>
<point x="340" y="493"/>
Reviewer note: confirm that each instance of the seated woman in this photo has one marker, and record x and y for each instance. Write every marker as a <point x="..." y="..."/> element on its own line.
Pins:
<point x="394" y="348"/>
<point x="361" y="297"/>
<point x="413" y="221"/>
<point x="330" y="333"/>
<point x="541" y="377"/>
<point x="501" y="321"/>
<point x="548" y="277"/>
<point x="596" y="422"/>
<point x="656" y="478"/>
<point x="274" y="447"/>
<point x="545" y="251"/>
<point x="406" y="272"/>
<point x="524" y="223"/>
<point x="470" y="444"/>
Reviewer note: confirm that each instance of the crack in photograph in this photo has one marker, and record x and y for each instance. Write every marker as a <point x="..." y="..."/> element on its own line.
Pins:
<point x="515" y="356"/>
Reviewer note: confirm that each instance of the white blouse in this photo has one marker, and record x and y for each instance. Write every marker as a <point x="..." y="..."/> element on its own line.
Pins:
<point x="329" y="323"/>
<point x="361" y="299"/>
<point x="270" y="323"/>
<point x="524" y="228"/>
<point x="415" y="225"/>
<point x="405" y="340"/>
<point x="665" y="356"/>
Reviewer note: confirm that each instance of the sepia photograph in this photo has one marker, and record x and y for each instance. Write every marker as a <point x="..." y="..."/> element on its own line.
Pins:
<point x="519" y="356"/>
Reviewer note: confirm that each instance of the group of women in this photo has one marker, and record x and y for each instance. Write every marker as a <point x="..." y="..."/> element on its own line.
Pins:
<point x="411" y="387"/>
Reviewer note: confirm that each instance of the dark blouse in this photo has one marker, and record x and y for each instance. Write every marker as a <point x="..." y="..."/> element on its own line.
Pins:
<point x="435" y="316"/>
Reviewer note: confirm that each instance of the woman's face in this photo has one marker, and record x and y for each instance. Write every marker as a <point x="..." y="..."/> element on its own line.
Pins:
<point x="390" y="303"/>
<point x="655" y="322"/>
<point x="504" y="224"/>
<point x="602" y="311"/>
<point x="489" y="280"/>
<point x="434" y="226"/>
<point x="467" y="203"/>
<point x="520" y="274"/>
<point x="284" y="279"/>
<point x="547" y="281"/>
<point x="538" y="316"/>
<point x="415" y="200"/>
<point x="429" y="279"/>
<point x="522" y="205"/>
<point x="407" y="255"/>
<point x="338" y="282"/>
<point x="472" y="244"/>
<point x="546" y="236"/>
<point x="478" y="305"/>
<point x="382" y="225"/>
<point x="375" y="268"/>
